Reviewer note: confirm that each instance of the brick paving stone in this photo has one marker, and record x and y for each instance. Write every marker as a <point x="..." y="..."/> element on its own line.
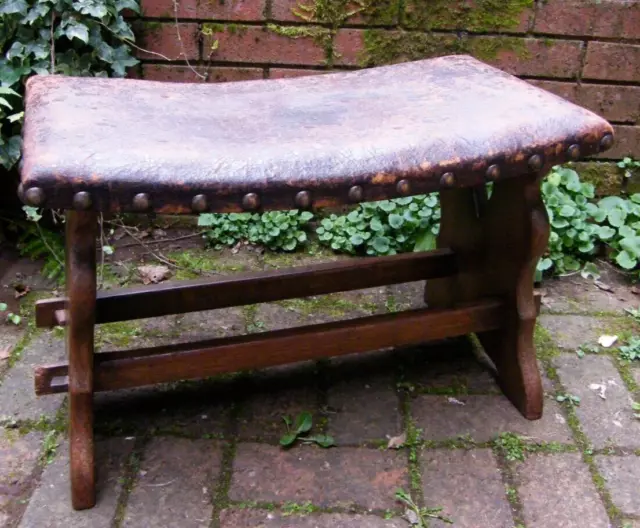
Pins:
<point x="467" y="485"/>
<point x="622" y="474"/>
<point x="174" y="485"/>
<point x="557" y="492"/>
<point x="636" y="375"/>
<point x="18" y="461"/>
<point x="363" y="409"/>
<point x="340" y="476"/>
<point x="449" y="364"/>
<point x="406" y="296"/>
<point x="607" y="421"/>
<point x="9" y="338"/>
<point x="50" y="505"/>
<point x="577" y="295"/>
<point x="194" y="408"/>
<point x="234" y="518"/>
<point x="571" y="331"/>
<point x="211" y="324"/>
<point x="483" y="417"/>
<point x="17" y="396"/>
<point x="631" y="523"/>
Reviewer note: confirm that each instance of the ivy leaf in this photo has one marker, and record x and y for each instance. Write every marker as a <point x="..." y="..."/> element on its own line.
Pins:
<point x="626" y="261"/>
<point x="127" y="4"/>
<point x="77" y="30"/>
<point x="11" y="7"/>
<point x="10" y="151"/>
<point x="91" y="8"/>
<point x="122" y="60"/>
<point x="425" y="242"/>
<point x="303" y="424"/>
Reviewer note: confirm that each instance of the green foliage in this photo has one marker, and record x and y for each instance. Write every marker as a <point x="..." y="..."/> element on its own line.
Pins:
<point x="384" y="228"/>
<point x="568" y="399"/>
<point x="69" y="37"/>
<point x="277" y="230"/>
<point x="628" y="166"/>
<point x="631" y="351"/>
<point x="419" y="516"/>
<point x="36" y="242"/>
<point x="11" y="317"/>
<point x="299" y="431"/>
<point x="511" y="446"/>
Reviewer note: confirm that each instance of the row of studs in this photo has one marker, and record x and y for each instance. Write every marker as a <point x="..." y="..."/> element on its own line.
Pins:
<point x="251" y="201"/>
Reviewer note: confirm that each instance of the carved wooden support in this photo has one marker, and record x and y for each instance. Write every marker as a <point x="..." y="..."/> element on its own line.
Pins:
<point x="498" y="242"/>
<point x="81" y="233"/>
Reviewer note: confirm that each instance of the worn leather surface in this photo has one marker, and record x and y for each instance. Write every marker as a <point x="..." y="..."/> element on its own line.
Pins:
<point x="324" y="134"/>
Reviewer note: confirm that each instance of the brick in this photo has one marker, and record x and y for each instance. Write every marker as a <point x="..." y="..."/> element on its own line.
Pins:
<point x="530" y="56"/>
<point x="50" y="505"/>
<point x="618" y="19"/>
<point x="174" y="73"/>
<point x="162" y="39"/>
<point x="605" y="422"/>
<point x="557" y="492"/>
<point x="262" y="45"/>
<point x="483" y="418"/>
<point x="622" y="474"/>
<point x="381" y="12"/>
<point x="174" y="484"/>
<point x="612" y="62"/>
<point x="18" y="461"/>
<point x="233" y="518"/>
<point x="627" y="143"/>
<point x="342" y="476"/>
<point x="18" y="398"/>
<point x="231" y="9"/>
<point x="287" y="73"/>
<point x="363" y="409"/>
<point x="614" y="103"/>
<point x="167" y="9"/>
<point x="468" y="487"/>
<point x="348" y="44"/>
<point x="465" y="15"/>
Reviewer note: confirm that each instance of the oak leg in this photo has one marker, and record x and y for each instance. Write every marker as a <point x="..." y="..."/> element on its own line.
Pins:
<point x="499" y="242"/>
<point x="81" y="231"/>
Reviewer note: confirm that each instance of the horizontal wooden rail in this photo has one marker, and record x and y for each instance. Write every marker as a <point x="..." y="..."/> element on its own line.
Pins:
<point x="250" y="288"/>
<point x="135" y="368"/>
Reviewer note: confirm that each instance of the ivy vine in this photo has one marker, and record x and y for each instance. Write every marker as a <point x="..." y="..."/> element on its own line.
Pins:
<point x="69" y="37"/>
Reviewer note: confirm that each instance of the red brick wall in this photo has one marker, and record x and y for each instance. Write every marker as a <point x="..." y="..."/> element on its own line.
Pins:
<point x="585" y="50"/>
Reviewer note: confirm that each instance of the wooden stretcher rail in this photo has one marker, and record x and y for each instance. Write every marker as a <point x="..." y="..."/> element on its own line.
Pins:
<point x="135" y="368"/>
<point x="250" y="288"/>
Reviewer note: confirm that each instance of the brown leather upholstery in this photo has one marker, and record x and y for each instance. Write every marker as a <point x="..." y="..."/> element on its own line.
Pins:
<point x="328" y="139"/>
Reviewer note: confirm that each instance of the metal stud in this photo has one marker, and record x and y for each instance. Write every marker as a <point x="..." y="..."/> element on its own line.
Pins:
<point x="250" y="202"/>
<point x="303" y="200"/>
<point x="82" y="200"/>
<point x="606" y="142"/>
<point x="493" y="172"/>
<point x="34" y="196"/>
<point x="199" y="203"/>
<point x="574" y="152"/>
<point x="355" y="193"/>
<point x="403" y="187"/>
<point x="447" y="179"/>
<point x="535" y="162"/>
<point x="141" y="202"/>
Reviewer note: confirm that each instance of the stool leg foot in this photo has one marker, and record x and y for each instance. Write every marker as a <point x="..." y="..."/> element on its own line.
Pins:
<point x="81" y="292"/>
<point x="498" y="243"/>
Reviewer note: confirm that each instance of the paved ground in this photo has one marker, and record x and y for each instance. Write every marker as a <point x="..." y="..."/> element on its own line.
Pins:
<point x="206" y="454"/>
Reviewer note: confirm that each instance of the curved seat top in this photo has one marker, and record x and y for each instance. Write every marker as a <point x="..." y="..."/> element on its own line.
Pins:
<point x="118" y="145"/>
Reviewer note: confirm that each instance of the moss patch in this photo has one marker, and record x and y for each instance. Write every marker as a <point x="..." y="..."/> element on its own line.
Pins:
<point x="488" y="48"/>
<point x="478" y="16"/>
<point x="604" y="176"/>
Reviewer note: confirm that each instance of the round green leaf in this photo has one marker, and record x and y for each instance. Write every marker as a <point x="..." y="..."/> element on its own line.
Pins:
<point x="616" y="216"/>
<point x="303" y="423"/>
<point x="380" y="244"/>
<point x="395" y="220"/>
<point x="288" y="439"/>
<point x="356" y="240"/>
<point x="626" y="261"/>
<point x="567" y="211"/>
<point x="605" y="232"/>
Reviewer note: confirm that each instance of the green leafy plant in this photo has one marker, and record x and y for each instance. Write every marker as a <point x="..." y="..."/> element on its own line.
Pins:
<point x="636" y="410"/>
<point x="420" y="516"/>
<point x="10" y="316"/>
<point x="277" y="230"/>
<point x="384" y="228"/>
<point x="569" y="399"/>
<point x="69" y="37"/>
<point x="299" y="430"/>
<point x="511" y="446"/>
<point x="631" y="351"/>
<point x="36" y="242"/>
<point x="619" y="228"/>
<point x="628" y="166"/>
<point x="584" y="349"/>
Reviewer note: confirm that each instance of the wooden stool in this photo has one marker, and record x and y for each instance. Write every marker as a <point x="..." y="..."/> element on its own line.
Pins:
<point x="450" y="124"/>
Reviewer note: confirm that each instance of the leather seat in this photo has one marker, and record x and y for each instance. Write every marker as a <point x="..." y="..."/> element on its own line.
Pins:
<point x="412" y="128"/>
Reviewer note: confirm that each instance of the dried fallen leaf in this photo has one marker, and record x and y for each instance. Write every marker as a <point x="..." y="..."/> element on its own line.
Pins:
<point x="607" y="340"/>
<point x="455" y="401"/>
<point x="20" y="291"/>
<point x="635" y="290"/>
<point x="411" y="517"/>
<point x="396" y="442"/>
<point x="153" y="274"/>
<point x="603" y="286"/>
<point x="5" y="353"/>
<point x="158" y="233"/>
<point x="601" y="388"/>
